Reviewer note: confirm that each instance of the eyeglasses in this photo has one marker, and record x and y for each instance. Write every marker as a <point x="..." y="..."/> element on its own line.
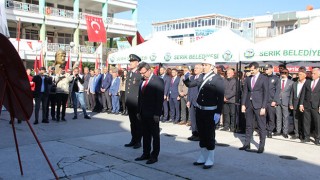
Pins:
<point x="284" y="72"/>
<point x="143" y="72"/>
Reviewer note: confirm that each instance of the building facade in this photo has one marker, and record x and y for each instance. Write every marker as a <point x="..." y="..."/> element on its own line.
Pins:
<point x="255" y="29"/>
<point x="49" y="25"/>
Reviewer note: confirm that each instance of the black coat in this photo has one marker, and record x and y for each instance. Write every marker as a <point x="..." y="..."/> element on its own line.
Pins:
<point x="132" y="89"/>
<point x="38" y="82"/>
<point x="151" y="100"/>
<point x="310" y="99"/>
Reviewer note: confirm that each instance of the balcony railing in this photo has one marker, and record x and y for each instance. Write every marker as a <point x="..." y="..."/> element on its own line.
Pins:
<point x="51" y="11"/>
<point x="21" y="6"/>
<point x="54" y="47"/>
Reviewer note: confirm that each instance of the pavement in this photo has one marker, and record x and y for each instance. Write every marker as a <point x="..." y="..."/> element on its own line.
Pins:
<point x="93" y="149"/>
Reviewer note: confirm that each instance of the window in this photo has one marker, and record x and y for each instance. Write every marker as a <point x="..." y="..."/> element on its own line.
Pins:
<point x="32" y="2"/>
<point x="195" y="24"/>
<point x="32" y="34"/>
<point x="13" y="32"/>
<point x="209" y="22"/>
<point x="64" y="38"/>
<point x="213" y="21"/>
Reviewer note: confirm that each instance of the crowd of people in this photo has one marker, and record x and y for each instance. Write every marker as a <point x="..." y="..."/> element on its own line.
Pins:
<point x="257" y="100"/>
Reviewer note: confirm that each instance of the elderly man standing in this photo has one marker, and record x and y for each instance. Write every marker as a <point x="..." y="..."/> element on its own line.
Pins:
<point x="209" y="106"/>
<point x="105" y="87"/>
<point x="183" y="93"/>
<point x="132" y="93"/>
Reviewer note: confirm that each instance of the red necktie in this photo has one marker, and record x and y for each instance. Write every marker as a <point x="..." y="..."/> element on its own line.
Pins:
<point x="282" y="86"/>
<point x="172" y="81"/>
<point x="144" y="85"/>
<point x="253" y="81"/>
<point x="313" y="85"/>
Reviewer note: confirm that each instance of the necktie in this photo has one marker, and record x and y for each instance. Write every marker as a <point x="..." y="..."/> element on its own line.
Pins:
<point x="253" y="81"/>
<point x="144" y="85"/>
<point x="196" y="76"/>
<point x="313" y="85"/>
<point x="172" y="81"/>
<point x="282" y="86"/>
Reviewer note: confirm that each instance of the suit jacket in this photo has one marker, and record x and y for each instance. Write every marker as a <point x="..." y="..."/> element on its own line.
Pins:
<point x="274" y="89"/>
<point x="211" y="93"/>
<point x="132" y="89"/>
<point x="173" y="89"/>
<point x="284" y="95"/>
<point x="182" y="88"/>
<point x="166" y="79"/>
<point x="151" y="100"/>
<point x="310" y="99"/>
<point x="230" y="90"/>
<point x="38" y="83"/>
<point x="86" y="81"/>
<point x="258" y="94"/>
<point x="194" y="91"/>
<point x="106" y="81"/>
<point x="97" y="83"/>
<point x="295" y="98"/>
<point x="114" y="88"/>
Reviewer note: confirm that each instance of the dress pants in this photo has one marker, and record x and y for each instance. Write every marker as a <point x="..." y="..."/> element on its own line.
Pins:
<point x="40" y="98"/>
<point x="192" y="111"/>
<point x="98" y="100"/>
<point x="78" y="96"/>
<point x="298" y="122"/>
<point x="282" y="119"/>
<point x="115" y="103"/>
<point x="106" y="100"/>
<point x="165" y="110"/>
<point x="184" y="110"/>
<point x="252" y="114"/>
<point x="86" y="95"/>
<point x="151" y="132"/>
<point x="123" y="100"/>
<point x="92" y="101"/>
<point x="52" y="103"/>
<point x="174" y="109"/>
<point x="271" y="117"/>
<point x="61" y="101"/>
<point x="206" y="128"/>
<point x="135" y="125"/>
<point x="229" y="115"/>
<point x="309" y="116"/>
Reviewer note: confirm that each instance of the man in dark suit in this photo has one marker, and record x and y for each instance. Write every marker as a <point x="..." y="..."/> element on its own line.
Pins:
<point x="283" y="107"/>
<point x="41" y="94"/>
<point x="86" y="86"/>
<point x="273" y="98"/>
<point x="132" y="94"/>
<point x="150" y="102"/>
<point x="166" y="80"/>
<point x="209" y="106"/>
<point x="97" y="89"/>
<point x="295" y="101"/>
<point x="254" y="103"/>
<point x="310" y="99"/>
<point x="192" y="101"/>
<point x="174" y="99"/>
<point x="106" y="80"/>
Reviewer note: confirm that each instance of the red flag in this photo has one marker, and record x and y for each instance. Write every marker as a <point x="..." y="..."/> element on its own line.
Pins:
<point x="40" y="61"/>
<point x="156" y="69"/>
<point x="80" y="64"/>
<point x="95" y="29"/>
<point x="107" y="63"/>
<point x="35" y="66"/>
<point x="68" y="63"/>
<point x="140" y="39"/>
<point x="30" y="44"/>
<point x="97" y="64"/>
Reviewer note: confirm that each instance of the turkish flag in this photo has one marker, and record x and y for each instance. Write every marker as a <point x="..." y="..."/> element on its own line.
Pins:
<point x="35" y="66"/>
<point x="80" y="64"/>
<point x="96" y="30"/>
<point x="41" y="60"/>
<point x="97" y="63"/>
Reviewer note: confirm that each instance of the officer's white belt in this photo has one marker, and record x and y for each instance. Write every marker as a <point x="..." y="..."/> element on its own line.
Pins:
<point x="207" y="108"/>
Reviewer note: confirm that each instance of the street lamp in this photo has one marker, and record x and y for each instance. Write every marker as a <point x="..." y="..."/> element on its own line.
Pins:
<point x="71" y="47"/>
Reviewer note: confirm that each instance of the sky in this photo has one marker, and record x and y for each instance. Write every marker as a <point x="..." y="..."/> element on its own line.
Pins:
<point x="150" y="11"/>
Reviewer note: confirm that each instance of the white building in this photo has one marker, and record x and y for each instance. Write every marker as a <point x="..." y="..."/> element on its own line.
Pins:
<point x="53" y="24"/>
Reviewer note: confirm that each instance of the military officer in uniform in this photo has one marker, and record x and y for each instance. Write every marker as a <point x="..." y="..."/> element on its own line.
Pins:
<point x="208" y="110"/>
<point x="132" y="93"/>
<point x="273" y="101"/>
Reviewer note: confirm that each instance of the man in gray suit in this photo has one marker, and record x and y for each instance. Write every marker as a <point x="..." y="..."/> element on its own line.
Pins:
<point x="283" y="108"/>
<point x="295" y="101"/>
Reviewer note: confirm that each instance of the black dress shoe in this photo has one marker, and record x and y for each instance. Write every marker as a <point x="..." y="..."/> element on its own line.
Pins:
<point x="75" y="117"/>
<point x="137" y="145"/>
<point x="276" y="134"/>
<point x="87" y="117"/>
<point x="152" y="160"/>
<point x="63" y="119"/>
<point x="198" y="164"/>
<point x="130" y="144"/>
<point x="143" y="157"/>
<point x="35" y="122"/>
<point x="225" y="129"/>
<point x="295" y="137"/>
<point x="317" y="142"/>
<point x="245" y="147"/>
<point x="260" y="150"/>
<point x="45" y="121"/>
<point x="285" y="136"/>
<point x="194" y="138"/>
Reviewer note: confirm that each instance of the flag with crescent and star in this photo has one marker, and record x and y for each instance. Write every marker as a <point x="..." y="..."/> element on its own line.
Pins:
<point x="96" y="30"/>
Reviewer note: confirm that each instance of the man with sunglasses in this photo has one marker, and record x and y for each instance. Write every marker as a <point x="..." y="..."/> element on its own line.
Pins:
<point x="273" y="101"/>
<point x="283" y="107"/>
